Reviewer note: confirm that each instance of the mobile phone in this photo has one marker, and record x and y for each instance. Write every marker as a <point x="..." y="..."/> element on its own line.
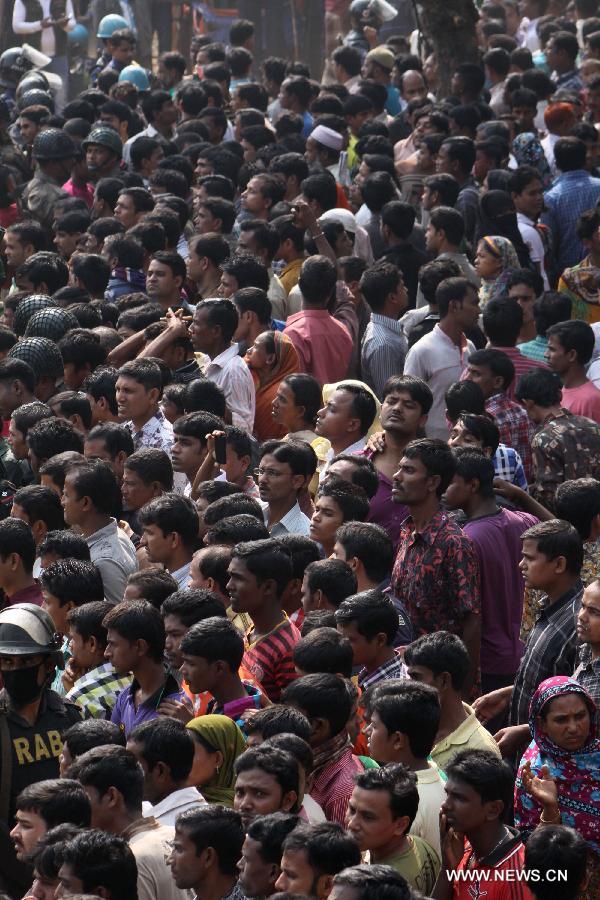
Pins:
<point x="221" y="449"/>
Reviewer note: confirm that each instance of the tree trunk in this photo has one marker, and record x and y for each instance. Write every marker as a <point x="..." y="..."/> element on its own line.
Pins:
<point x="449" y="26"/>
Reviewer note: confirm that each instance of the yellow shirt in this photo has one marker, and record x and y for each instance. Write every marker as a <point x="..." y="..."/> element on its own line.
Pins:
<point x="291" y="273"/>
<point x="470" y="735"/>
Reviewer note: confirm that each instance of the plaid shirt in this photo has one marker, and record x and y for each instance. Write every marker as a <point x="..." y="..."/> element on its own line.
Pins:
<point x="535" y="349"/>
<point x="96" y="692"/>
<point x="508" y="465"/>
<point x="393" y="668"/>
<point x="550" y="651"/>
<point x="514" y="425"/>
<point x="587" y="673"/>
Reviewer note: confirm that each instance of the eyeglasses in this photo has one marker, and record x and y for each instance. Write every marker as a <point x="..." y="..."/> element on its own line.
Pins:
<point x="269" y="473"/>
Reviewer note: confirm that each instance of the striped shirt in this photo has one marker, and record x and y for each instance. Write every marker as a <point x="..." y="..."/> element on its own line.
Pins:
<point x="270" y="659"/>
<point x="384" y="348"/>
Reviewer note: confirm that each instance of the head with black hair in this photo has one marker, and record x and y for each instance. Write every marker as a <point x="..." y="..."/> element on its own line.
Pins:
<point x="312" y="855"/>
<point x="91" y="493"/>
<point x="405" y="718"/>
<point x="213" y="326"/>
<point x="67" y="584"/>
<point x="578" y="501"/>
<point x="211" y="651"/>
<point x="169" y="530"/>
<point x="207" y="846"/>
<point x="164" y="748"/>
<point x="337" y="501"/>
<point x="44" y="805"/>
<point x="81" y="353"/>
<point x="424" y="473"/>
<point x="557" y="847"/>
<point x="358" y="470"/>
<point x="367" y="549"/>
<point x="202" y="395"/>
<point x="267" y="781"/>
<point x="475" y="432"/>
<point x="259" y="865"/>
<point x="539" y="391"/>
<point x="369" y="620"/>
<point x="478" y="791"/>
<point x="492" y="370"/>
<point x="324" y="700"/>
<point x="183" y="609"/>
<point x="276" y="719"/>
<point x="472" y="483"/>
<point x="100" y="862"/>
<point x="49" y="437"/>
<point x="40" y="508"/>
<point x="259" y="572"/>
<point x="347" y="415"/>
<point x="382" y="807"/>
<point x="324" y="650"/>
<point x="147" y="473"/>
<point x="228" y="531"/>
<point x="372" y="882"/>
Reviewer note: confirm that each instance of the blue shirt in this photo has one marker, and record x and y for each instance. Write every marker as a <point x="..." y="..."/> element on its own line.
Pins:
<point x="393" y="105"/>
<point x="570" y="195"/>
<point x="309" y="124"/>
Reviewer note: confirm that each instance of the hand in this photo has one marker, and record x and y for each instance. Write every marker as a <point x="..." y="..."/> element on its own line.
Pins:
<point x="177" y="325"/>
<point x="376" y="443"/>
<point x="510" y="739"/>
<point x="126" y="527"/>
<point x="541" y="787"/>
<point x="506" y="489"/>
<point x="60" y="23"/>
<point x="47" y="23"/>
<point x="70" y="675"/>
<point x="491" y="705"/>
<point x="304" y="217"/>
<point x="370" y="34"/>
<point x="452" y="844"/>
<point x="176" y="710"/>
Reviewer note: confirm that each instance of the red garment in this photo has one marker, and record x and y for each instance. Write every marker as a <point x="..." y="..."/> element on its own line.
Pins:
<point x="522" y="365"/>
<point x="31" y="594"/>
<point x="270" y="660"/>
<point x="436" y="576"/>
<point x="515" y="427"/>
<point x="509" y="865"/>
<point x="84" y="193"/>
<point x="9" y="215"/>
<point x="333" y="785"/>
<point x="323" y="344"/>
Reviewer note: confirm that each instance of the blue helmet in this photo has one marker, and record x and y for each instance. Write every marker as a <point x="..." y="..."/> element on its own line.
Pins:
<point x="79" y="35"/>
<point x="109" y="24"/>
<point x="136" y="75"/>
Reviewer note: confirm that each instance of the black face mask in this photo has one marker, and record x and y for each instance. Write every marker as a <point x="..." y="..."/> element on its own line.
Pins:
<point x="22" y="685"/>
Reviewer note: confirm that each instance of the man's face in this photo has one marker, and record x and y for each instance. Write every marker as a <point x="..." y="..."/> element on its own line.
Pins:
<point x="205" y="222"/>
<point x="557" y="357"/>
<point x="123" y="52"/>
<point x="242" y="587"/>
<point x="412" y="483"/>
<point x="167" y="115"/>
<point x="73" y="506"/>
<point x="197" y="672"/>
<point x="363" y="650"/>
<point x="17" y="441"/>
<point x="588" y="618"/>
<point x="336" y="420"/>
<point x="524" y="294"/>
<point x="125" y="211"/>
<point x="257" y="877"/>
<point x="135" y="492"/>
<point x="14" y="250"/>
<point x="257" y="793"/>
<point x="461" y="437"/>
<point x="277" y="481"/>
<point x="28" y="130"/>
<point x="66" y="243"/>
<point x="443" y="162"/>
<point x="482" y="375"/>
<point x="99" y="159"/>
<point x="161" y="283"/>
<point x="195" y="266"/>
<point x="56" y="611"/>
<point x="175" y="631"/>
<point x="121" y="654"/>
<point x="468" y="311"/>
<point x="537" y="569"/>
<point x="67" y="882"/>
<point x="133" y="400"/>
<point x="343" y="468"/>
<point x="184" y="861"/>
<point x="253" y="200"/>
<point x="458" y="493"/>
<point x="187" y="454"/>
<point x="43" y="887"/>
<point x="553" y="56"/>
<point x="401" y="414"/>
<point x="530" y="201"/>
<point x="159" y="545"/>
<point x="413" y="87"/>
<point x="381" y="743"/>
<point x="81" y="650"/>
<point x="433" y="238"/>
<point x="202" y="334"/>
<point x="462" y="807"/>
<point x="89" y="243"/>
<point x="228" y="285"/>
<point x="369" y="819"/>
<point x="29" y="828"/>
<point x="297" y="875"/>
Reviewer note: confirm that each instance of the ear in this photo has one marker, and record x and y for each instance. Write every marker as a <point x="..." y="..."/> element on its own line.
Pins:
<point x="112" y="797"/>
<point x="354" y="563"/>
<point x="157" y="488"/>
<point x="317" y="599"/>
<point x="102" y="892"/>
<point x="154" y="394"/>
<point x="289" y="801"/>
<point x="401" y="825"/>
<point x="323" y="886"/>
<point x="298" y="481"/>
<point x="433" y="483"/>
<point x="494" y="810"/>
<point x="121" y="457"/>
<point x="560" y="565"/>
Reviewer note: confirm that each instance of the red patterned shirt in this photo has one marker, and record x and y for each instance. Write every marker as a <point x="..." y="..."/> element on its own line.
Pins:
<point x="333" y="784"/>
<point x="515" y="427"/>
<point x="270" y="659"/>
<point x="436" y="576"/>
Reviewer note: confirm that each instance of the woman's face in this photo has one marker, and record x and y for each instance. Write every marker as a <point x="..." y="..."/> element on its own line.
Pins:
<point x="344" y="246"/>
<point x="284" y="409"/>
<point x="257" y="356"/>
<point x="486" y="264"/>
<point x="566" y="722"/>
<point x="204" y="767"/>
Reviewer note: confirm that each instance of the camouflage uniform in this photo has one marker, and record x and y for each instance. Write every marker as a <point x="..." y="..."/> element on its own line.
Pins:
<point x="40" y="196"/>
<point x="565" y="447"/>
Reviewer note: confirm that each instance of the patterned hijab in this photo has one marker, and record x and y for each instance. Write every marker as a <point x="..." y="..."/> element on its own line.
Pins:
<point x="502" y="249"/>
<point x="577" y="774"/>
<point x="528" y="151"/>
<point x="220" y="733"/>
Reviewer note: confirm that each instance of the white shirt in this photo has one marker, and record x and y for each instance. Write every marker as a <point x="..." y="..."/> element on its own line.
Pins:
<point x="114" y="555"/>
<point x="229" y="372"/>
<point x="150" y="132"/>
<point x="48" y="42"/>
<point x="356" y="447"/>
<point x="548" y="147"/>
<point x="431" y="796"/>
<point x="294" y="521"/>
<point x="532" y="238"/>
<point x="439" y="362"/>
<point x="179" y="801"/>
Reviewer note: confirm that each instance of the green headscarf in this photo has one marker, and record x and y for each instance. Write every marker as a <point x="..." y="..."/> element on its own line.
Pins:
<point x="222" y="734"/>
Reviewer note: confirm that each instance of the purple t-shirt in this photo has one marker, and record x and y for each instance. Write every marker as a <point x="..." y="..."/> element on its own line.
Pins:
<point x="382" y="509"/>
<point x="497" y="541"/>
<point x="127" y="716"/>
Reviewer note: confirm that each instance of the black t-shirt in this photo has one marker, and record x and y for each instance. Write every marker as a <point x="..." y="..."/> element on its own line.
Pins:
<point x="36" y="748"/>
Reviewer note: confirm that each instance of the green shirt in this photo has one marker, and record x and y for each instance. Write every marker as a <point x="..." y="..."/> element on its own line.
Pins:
<point x="418" y="863"/>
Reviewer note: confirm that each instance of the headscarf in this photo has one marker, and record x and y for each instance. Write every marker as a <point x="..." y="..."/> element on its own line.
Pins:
<point x="286" y="363"/>
<point x="577" y="774"/>
<point x="582" y="284"/>
<point x="528" y="151"/>
<point x="496" y="215"/>
<point x="502" y="248"/>
<point x="222" y="734"/>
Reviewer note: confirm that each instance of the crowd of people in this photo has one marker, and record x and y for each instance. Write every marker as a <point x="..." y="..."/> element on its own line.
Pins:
<point x="300" y="462"/>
